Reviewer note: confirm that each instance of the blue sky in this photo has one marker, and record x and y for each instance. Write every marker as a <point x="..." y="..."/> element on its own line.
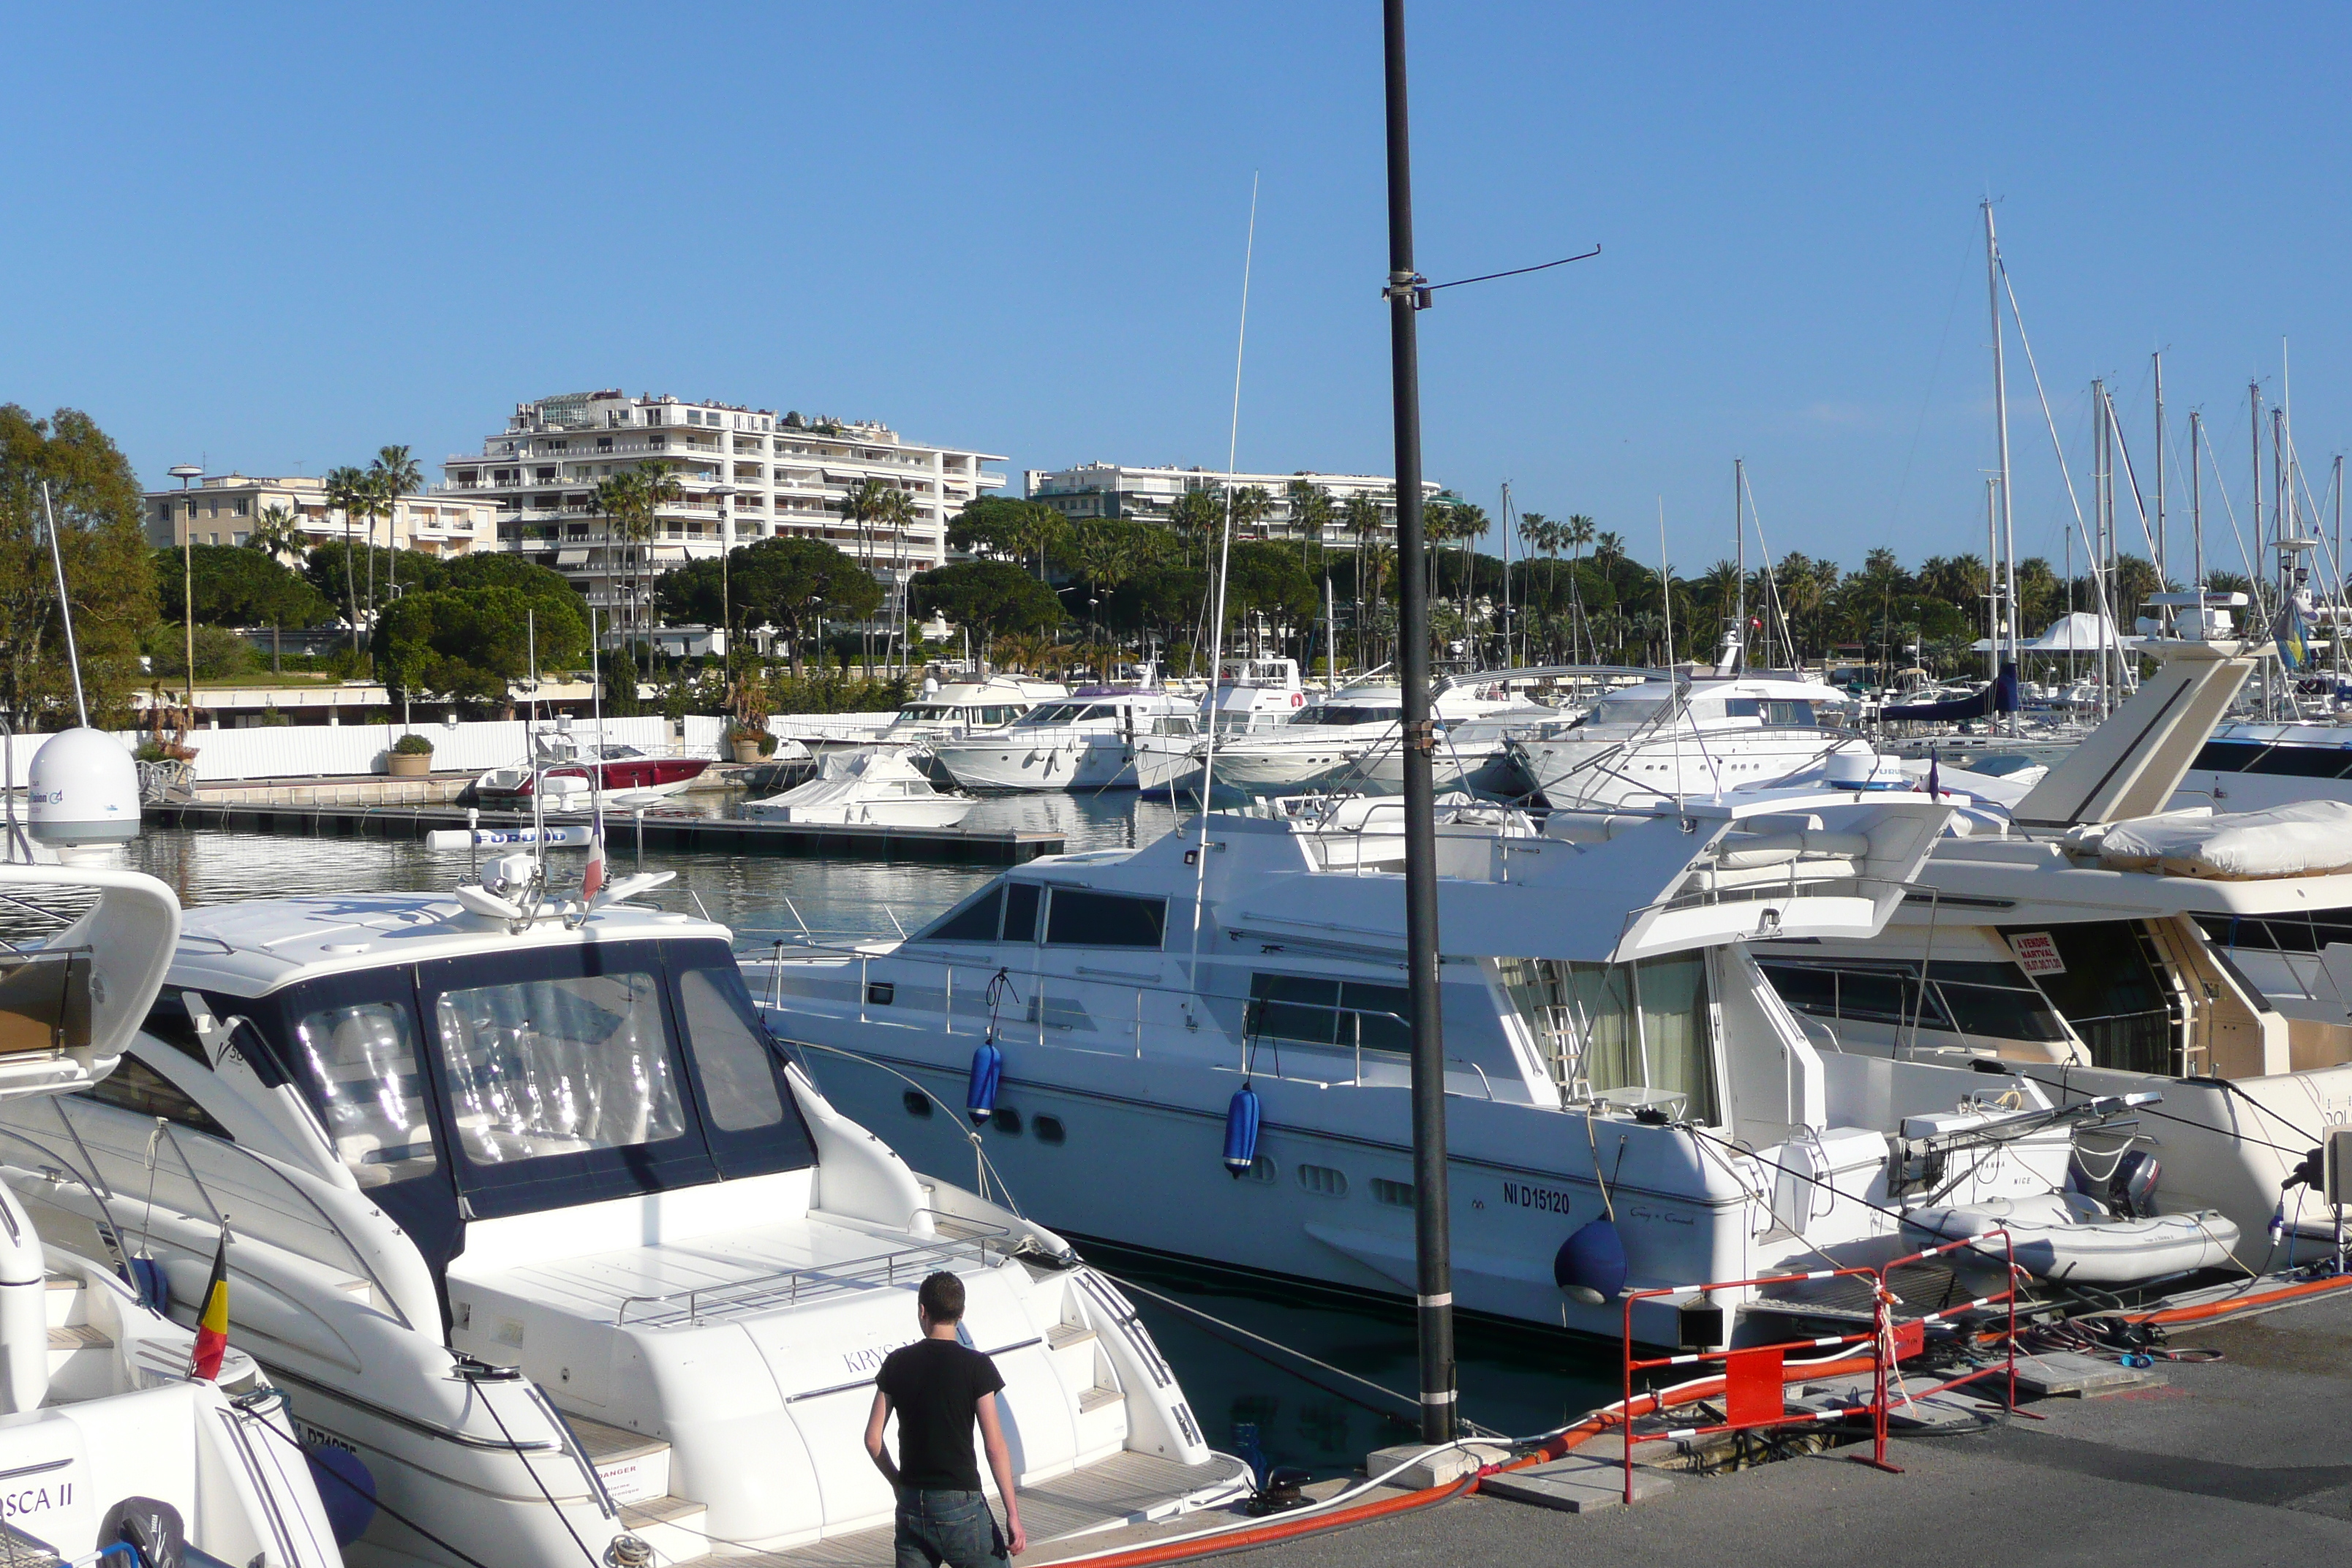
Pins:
<point x="260" y="237"/>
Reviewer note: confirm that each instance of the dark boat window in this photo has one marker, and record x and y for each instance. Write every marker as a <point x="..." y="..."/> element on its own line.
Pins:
<point x="2111" y="993"/>
<point x="751" y="1121"/>
<point x="973" y="920"/>
<point x="1346" y="1012"/>
<point x="558" y="1066"/>
<point x="1083" y="918"/>
<point x="561" y="1077"/>
<point x="1021" y="901"/>
<point x="358" y="1059"/>
<point x="134" y="1086"/>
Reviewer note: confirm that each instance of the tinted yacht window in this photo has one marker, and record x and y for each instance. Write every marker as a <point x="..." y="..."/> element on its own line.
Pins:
<point x="1020" y="899"/>
<point x="973" y="922"/>
<point x="751" y="1121"/>
<point x="360" y="1061"/>
<point x="558" y="1066"/>
<point x="1082" y="918"/>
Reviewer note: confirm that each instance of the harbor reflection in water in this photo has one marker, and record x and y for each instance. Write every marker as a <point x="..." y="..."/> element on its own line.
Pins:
<point x="1514" y="1379"/>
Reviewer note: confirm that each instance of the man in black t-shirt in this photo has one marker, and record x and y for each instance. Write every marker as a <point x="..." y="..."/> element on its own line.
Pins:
<point x="939" y="1388"/>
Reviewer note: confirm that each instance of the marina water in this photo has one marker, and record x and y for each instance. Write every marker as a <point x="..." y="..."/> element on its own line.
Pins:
<point x="1514" y="1379"/>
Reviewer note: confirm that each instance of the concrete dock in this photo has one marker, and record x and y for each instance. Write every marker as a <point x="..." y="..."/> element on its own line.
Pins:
<point x="993" y="846"/>
<point x="2245" y="1460"/>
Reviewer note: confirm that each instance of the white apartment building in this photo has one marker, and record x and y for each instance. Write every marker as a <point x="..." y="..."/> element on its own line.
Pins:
<point x="1148" y="494"/>
<point x="746" y="474"/>
<point x="223" y="508"/>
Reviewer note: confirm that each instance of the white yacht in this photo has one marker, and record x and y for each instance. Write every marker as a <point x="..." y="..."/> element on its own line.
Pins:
<point x="2091" y="939"/>
<point x="1612" y="1053"/>
<point x="533" y="1216"/>
<point x="1349" y="738"/>
<point x="879" y="788"/>
<point x="1252" y="695"/>
<point x="1684" y="737"/>
<point x="106" y="1434"/>
<point x="1087" y="741"/>
<point x="957" y="709"/>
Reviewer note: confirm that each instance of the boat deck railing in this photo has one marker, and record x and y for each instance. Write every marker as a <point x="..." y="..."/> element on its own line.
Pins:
<point x="785" y="1287"/>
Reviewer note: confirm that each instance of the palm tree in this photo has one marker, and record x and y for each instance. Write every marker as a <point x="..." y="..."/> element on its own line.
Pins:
<point x="1250" y="504"/>
<point x="1363" y="518"/>
<point x="397" y="474"/>
<point x="347" y="489"/>
<point x="619" y="499"/>
<point x="1310" y="512"/>
<point x="658" y="487"/>
<point x="893" y="510"/>
<point x="276" y="533"/>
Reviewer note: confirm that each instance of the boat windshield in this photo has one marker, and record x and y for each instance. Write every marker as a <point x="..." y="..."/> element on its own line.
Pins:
<point x="1626" y="711"/>
<point x="1348" y="713"/>
<point x="541" y="1080"/>
<point x="1053" y="713"/>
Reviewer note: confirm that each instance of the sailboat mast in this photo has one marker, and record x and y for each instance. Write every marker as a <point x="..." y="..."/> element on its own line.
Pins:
<point x="2197" y="516"/>
<point x="1433" y="1240"/>
<point x="2007" y="573"/>
<point x="1739" y="558"/>
<point x="2163" y="557"/>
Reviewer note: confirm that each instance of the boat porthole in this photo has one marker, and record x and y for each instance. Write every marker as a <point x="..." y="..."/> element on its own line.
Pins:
<point x="1008" y="1121"/>
<point x="1049" y="1129"/>
<point x="917" y="1102"/>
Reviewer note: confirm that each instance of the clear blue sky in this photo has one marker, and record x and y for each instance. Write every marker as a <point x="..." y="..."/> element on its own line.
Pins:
<point x="262" y="237"/>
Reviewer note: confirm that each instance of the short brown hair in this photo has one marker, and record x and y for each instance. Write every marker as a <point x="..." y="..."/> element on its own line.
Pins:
<point x="942" y="1298"/>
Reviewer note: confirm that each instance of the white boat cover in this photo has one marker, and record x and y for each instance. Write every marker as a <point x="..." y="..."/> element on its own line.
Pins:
<point x="2308" y="838"/>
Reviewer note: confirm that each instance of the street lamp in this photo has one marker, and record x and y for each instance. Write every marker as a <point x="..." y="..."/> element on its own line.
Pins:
<point x="183" y="473"/>
<point x="725" y="495"/>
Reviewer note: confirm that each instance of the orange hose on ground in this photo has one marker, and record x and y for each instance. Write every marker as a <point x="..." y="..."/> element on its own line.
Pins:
<point x="1289" y="1530"/>
<point x="2208" y="1310"/>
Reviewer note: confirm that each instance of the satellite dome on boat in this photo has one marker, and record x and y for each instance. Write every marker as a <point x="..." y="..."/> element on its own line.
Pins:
<point x="84" y="789"/>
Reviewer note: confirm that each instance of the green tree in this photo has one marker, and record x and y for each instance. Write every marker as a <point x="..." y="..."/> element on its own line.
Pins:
<point x="469" y="644"/>
<point x="789" y="583"/>
<point x="992" y="596"/>
<point x="1198" y="520"/>
<point x="999" y="525"/>
<point x="347" y="492"/>
<point x="391" y="475"/>
<point x="109" y="575"/>
<point x="277" y="533"/>
<point x="234" y="589"/>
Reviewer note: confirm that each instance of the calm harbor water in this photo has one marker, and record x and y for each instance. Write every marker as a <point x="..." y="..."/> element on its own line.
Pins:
<point x="1514" y="1381"/>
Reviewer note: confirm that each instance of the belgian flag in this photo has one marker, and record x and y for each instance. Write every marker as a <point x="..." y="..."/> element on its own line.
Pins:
<point x="212" y="1323"/>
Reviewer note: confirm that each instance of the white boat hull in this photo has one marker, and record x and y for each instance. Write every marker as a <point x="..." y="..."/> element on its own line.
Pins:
<point x="1015" y="762"/>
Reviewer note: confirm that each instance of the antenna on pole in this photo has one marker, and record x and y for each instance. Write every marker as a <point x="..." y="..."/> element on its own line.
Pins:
<point x="65" y="608"/>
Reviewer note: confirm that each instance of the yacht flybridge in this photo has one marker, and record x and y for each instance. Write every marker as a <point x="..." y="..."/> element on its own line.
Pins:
<point x="1613" y="1054"/>
<point x="1349" y="738"/>
<point x="533" y="1215"/>
<point x="106" y="1434"/>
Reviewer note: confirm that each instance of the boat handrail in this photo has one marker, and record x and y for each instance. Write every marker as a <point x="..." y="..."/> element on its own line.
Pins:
<point x="58" y="1169"/>
<point x="304" y="1214"/>
<point x="760" y="1290"/>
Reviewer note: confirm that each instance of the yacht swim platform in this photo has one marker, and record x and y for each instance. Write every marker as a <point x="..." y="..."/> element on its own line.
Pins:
<point x="627" y="832"/>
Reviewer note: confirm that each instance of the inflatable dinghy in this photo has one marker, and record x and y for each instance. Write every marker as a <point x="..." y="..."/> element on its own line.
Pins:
<point x="2070" y="1236"/>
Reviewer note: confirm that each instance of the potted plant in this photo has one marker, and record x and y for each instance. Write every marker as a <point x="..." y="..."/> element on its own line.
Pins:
<point x="411" y="757"/>
<point x="747" y="711"/>
<point x="748" y="745"/>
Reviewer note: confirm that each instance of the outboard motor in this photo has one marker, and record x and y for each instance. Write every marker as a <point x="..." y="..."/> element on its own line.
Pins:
<point x="2131" y="1191"/>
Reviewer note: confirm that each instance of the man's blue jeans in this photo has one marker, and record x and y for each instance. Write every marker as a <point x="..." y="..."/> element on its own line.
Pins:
<point x="952" y="1527"/>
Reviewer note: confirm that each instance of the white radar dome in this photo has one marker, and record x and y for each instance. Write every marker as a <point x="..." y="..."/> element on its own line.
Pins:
<point x="84" y="789"/>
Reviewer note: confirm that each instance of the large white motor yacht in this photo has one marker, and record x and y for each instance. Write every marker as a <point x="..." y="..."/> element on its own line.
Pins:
<point x="101" y="1418"/>
<point x="1611" y="1049"/>
<point x="1252" y="695"/>
<point x="1087" y="741"/>
<point x="1678" y="738"/>
<point x="1349" y="740"/>
<point x="957" y="709"/>
<point x="533" y="1216"/>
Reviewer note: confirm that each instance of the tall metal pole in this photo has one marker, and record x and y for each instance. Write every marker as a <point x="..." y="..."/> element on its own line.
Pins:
<point x="2163" y="558"/>
<point x="2255" y="426"/>
<point x="2197" y="516"/>
<point x="2100" y="516"/>
<point x="1740" y="554"/>
<point x="2008" y="568"/>
<point x="1433" y="1244"/>
<point x="1993" y="584"/>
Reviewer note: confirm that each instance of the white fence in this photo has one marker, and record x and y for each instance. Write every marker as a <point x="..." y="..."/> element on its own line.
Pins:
<point x="318" y="751"/>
